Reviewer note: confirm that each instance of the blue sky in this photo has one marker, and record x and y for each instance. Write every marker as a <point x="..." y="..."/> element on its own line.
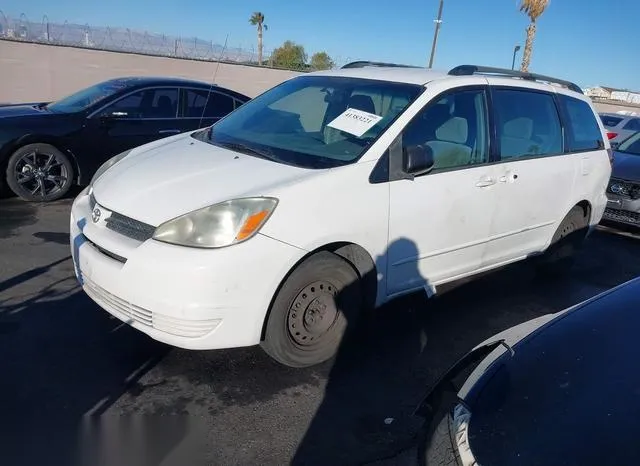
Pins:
<point x="591" y="43"/>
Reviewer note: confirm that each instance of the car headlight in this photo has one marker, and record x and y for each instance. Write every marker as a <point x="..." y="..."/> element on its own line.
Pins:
<point x="107" y="165"/>
<point x="219" y="225"/>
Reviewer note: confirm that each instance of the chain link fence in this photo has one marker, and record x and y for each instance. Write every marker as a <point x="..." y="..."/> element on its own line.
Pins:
<point x="131" y="41"/>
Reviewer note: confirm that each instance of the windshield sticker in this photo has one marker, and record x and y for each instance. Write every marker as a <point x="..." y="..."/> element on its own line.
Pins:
<point x="354" y="121"/>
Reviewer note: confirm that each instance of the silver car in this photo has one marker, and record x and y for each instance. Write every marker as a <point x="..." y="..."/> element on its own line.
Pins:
<point x="623" y="191"/>
<point x="619" y="125"/>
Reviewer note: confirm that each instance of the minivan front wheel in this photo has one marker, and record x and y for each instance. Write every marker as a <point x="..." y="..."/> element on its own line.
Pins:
<point x="314" y="308"/>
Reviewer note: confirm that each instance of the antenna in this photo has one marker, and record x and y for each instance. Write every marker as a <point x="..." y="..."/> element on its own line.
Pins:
<point x="213" y="80"/>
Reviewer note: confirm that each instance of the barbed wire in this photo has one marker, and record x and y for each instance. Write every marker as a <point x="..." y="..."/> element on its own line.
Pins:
<point x="127" y="40"/>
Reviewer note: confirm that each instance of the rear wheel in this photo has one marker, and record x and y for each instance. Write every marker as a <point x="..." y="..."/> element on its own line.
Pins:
<point x="39" y="172"/>
<point x="566" y="242"/>
<point x="313" y="309"/>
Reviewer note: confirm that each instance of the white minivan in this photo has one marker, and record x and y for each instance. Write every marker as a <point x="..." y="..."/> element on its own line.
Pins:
<point x="332" y="193"/>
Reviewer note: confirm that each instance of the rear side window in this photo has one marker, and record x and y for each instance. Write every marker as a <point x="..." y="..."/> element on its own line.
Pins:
<point x="528" y="124"/>
<point x="609" y="120"/>
<point x="633" y="124"/>
<point x="583" y="132"/>
<point x="217" y="104"/>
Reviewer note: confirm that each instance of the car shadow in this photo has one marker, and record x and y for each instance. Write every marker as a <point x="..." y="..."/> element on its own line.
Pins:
<point x="52" y="237"/>
<point x="64" y="362"/>
<point x="386" y="364"/>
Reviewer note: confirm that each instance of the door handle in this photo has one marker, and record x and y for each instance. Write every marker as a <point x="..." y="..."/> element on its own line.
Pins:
<point x="169" y="131"/>
<point x="484" y="182"/>
<point x="509" y="177"/>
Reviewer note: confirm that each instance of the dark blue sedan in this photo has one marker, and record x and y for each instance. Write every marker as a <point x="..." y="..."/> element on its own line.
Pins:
<point x="46" y="147"/>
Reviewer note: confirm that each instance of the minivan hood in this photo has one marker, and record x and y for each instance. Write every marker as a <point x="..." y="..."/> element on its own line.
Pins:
<point x="185" y="174"/>
<point x="626" y="166"/>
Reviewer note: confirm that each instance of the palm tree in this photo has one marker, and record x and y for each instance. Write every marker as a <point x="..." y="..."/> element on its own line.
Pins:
<point x="257" y="19"/>
<point x="533" y="9"/>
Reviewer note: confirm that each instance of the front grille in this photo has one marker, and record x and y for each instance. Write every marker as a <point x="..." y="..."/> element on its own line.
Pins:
<point x="129" y="227"/>
<point x="624" y="188"/>
<point x="622" y="216"/>
<point x="130" y="313"/>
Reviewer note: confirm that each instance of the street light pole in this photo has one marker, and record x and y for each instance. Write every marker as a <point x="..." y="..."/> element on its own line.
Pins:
<point x="515" y="50"/>
<point x="435" y="34"/>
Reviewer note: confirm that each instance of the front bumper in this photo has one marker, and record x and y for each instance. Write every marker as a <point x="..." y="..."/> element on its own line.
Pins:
<point x="186" y="297"/>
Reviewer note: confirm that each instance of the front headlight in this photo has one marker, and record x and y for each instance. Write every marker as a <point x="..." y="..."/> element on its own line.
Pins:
<point x="219" y="225"/>
<point x="107" y="165"/>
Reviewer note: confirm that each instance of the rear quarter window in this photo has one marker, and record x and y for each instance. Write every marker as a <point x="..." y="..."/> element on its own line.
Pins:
<point x="583" y="132"/>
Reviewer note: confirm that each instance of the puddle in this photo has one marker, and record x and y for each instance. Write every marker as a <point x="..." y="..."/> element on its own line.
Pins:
<point x="15" y="214"/>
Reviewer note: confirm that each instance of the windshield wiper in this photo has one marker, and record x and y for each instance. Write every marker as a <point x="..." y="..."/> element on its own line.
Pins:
<point x="244" y="148"/>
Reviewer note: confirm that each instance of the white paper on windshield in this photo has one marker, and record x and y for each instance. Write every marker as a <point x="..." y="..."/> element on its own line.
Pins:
<point x="354" y="121"/>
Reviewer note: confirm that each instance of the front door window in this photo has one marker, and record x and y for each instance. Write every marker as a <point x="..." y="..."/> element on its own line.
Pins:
<point x="156" y="103"/>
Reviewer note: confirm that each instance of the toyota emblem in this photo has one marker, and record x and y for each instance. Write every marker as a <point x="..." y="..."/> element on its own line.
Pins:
<point x="95" y="215"/>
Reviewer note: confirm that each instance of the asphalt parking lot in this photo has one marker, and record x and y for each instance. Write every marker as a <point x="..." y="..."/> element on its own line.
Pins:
<point x="64" y="361"/>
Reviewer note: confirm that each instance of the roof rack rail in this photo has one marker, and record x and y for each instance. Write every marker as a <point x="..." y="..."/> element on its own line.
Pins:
<point x="363" y="63"/>
<point x="467" y="70"/>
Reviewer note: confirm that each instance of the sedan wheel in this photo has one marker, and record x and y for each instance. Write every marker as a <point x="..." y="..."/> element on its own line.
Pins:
<point x="39" y="172"/>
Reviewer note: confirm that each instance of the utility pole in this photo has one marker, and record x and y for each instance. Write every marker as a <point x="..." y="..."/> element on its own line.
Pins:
<point x="435" y="34"/>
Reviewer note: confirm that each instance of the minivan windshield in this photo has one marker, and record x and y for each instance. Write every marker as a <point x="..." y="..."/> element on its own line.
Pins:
<point x="314" y="121"/>
<point x="630" y="145"/>
<point x="88" y="96"/>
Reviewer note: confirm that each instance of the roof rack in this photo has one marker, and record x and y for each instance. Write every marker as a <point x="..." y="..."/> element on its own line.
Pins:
<point x="363" y="63"/>
<point x="467" y="70"/>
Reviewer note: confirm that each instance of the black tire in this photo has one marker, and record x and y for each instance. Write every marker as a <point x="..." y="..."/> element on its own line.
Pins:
<point x="319" y="301"/>
<point x="436" y="446"/>
<point x="566" y="242"/>
<point x="39" y="172"/>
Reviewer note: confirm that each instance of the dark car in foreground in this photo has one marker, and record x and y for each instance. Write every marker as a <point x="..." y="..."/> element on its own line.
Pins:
<point x="623" y="191"/>
<point x="46" y="147"/>
<point x="560" y="389"/>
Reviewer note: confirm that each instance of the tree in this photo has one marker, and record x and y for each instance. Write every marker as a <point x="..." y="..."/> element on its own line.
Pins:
<point x="289" y="55"/>
<point x="257" y="19"/>
<point x="321" y="61"/>
<point x="533" y="9"/>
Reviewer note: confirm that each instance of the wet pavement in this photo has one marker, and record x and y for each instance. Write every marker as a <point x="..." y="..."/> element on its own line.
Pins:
<point x="64" y="362"/>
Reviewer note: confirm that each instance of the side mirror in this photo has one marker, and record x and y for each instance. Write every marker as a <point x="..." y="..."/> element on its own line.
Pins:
<point x="417" y="160"/>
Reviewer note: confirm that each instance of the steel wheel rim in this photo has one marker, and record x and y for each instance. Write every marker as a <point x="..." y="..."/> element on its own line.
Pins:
<point x="40" y="173"/>
<point x="313" y="313"/>
<point x="567" y="230"/>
